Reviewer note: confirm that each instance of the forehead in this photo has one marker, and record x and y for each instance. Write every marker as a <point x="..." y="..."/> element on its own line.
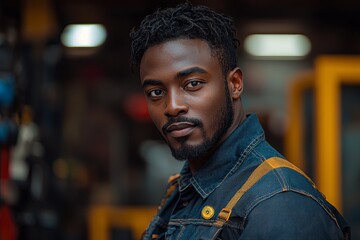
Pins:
<point x="177" y="55"/>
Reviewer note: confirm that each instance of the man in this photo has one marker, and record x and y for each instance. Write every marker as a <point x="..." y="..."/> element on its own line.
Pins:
<point x="187" y="63"/>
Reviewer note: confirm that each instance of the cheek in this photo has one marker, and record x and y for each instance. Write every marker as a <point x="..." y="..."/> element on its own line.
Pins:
<point x="214" y="100"/>
<point x="213" y="106"/>
<point x="209" y="106"/>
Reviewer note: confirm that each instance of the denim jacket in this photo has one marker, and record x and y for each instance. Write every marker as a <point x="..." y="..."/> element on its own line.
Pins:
<point x="281" y="205"/>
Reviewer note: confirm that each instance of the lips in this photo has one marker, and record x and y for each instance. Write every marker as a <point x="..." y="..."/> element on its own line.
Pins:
<point x="180" y="129"/>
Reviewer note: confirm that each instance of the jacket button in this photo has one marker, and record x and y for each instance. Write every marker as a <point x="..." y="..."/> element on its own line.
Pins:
<point x="207" y="212"/>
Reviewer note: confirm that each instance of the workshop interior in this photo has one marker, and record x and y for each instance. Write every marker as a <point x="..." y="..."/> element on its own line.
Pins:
<point x="80" y="158"/>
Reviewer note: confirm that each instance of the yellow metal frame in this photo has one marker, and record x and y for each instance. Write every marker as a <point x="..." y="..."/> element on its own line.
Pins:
<point x="330" y="73"/>
<point x="103" y="218"/>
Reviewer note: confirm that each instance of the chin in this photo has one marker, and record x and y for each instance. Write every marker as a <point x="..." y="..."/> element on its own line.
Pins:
<point x="188" y="151"/>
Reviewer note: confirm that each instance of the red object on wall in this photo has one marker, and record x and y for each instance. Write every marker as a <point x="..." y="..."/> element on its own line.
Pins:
<point x="7" y="225"/>
<point x="136" y="107"/>
<point x="4" y="163"/>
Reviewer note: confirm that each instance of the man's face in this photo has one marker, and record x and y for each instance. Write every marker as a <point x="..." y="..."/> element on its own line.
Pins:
<point x="187" y="96"/>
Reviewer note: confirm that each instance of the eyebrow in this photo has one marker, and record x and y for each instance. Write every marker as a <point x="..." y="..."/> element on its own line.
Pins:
<point x="150" y="82"/>
<point x="190" y="71"/>
<point x="180" y="74"/>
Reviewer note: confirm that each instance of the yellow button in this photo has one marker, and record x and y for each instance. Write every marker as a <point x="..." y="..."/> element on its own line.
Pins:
<point x="207" y="212"/>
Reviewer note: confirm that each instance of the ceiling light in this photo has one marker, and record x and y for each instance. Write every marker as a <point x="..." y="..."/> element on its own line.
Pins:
<point x="83" y="35"/>
<point x="277" y="45"/>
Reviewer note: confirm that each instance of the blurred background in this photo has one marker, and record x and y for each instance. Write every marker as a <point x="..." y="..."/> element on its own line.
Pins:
<point x="80" y="158"/>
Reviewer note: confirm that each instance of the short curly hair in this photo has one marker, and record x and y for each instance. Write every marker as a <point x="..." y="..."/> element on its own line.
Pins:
<point x="189" y="22"/>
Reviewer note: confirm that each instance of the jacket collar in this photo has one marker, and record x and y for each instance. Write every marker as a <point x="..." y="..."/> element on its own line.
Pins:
<point x="226" y="159"/>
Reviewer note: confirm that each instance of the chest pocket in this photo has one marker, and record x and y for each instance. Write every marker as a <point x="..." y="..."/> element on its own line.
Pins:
<point x="156" y="229"/>
<point x="194" y="231"/>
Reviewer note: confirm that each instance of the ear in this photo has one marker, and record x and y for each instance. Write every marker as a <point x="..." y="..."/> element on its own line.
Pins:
<point x="235" y="83"/>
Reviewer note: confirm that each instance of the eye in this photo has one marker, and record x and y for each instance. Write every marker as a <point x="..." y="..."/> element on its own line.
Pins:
<point x="194" y="84"/>
<point x="156" y="93"/>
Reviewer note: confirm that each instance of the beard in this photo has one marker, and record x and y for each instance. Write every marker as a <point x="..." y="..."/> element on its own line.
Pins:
<point x="222" y="122"/>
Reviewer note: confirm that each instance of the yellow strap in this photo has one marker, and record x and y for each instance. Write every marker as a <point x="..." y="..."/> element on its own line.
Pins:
<point x="264" y="168"/>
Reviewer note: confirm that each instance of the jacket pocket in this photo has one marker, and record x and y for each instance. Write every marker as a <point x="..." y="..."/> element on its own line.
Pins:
<point x="156" y="229"/>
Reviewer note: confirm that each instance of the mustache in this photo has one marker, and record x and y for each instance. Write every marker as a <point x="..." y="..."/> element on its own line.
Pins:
<point x="194" y="121"/>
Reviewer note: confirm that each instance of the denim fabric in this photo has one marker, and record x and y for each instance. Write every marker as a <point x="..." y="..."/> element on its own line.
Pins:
<point x="282" y="205"/>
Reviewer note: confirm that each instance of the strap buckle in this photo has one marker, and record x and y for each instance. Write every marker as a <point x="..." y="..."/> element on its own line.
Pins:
<point x="224" y="214"/>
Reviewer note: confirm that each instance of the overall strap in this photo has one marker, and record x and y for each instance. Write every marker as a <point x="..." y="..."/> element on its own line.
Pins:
<point x="172" y="185"/>
<point x="264" y="168"/>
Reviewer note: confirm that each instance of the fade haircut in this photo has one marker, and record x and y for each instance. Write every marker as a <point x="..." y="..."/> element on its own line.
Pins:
<point x="186" y="21"/>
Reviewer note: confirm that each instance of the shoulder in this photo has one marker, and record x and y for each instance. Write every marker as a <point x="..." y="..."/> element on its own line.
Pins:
<point x="277" y="182"/>
<point x="277" y="176"/>
<point x="290" y="214"/>
<point x="283" y="203"/>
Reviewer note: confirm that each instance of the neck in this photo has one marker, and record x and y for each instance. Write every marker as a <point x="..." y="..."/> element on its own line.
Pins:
<point x="196" y="164"/>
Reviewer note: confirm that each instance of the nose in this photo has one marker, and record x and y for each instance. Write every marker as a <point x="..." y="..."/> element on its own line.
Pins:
<point x="175" y="104"/>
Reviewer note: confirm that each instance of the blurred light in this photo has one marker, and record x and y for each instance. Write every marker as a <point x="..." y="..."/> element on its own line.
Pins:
<point x="277" y="45"/>
<point x="7" y="90"/>
<point x="83" y="35"/>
